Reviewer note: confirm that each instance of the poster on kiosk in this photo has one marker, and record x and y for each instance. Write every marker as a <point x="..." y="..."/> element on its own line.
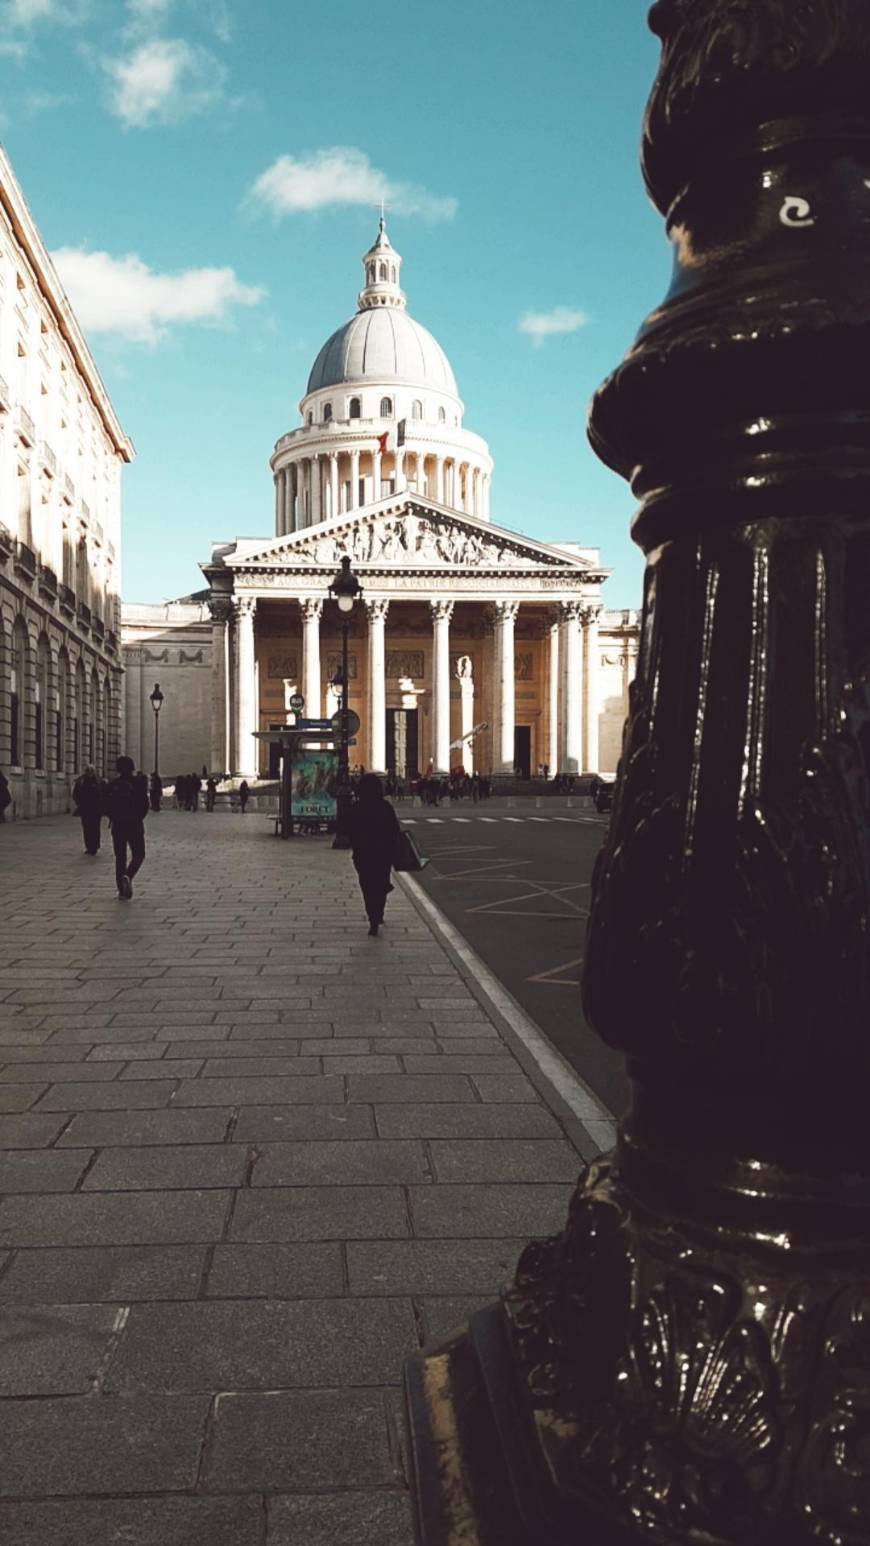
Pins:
<point x="314" y="783"/>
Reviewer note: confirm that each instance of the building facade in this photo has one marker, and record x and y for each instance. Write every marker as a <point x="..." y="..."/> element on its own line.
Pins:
<point x="61" y="454"/>
<point x="471" y="646"/>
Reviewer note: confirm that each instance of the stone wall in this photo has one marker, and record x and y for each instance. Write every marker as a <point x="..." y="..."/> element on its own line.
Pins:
<point x="169" y="643"/>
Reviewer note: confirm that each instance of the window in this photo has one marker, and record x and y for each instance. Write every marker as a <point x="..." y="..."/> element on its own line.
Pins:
<point x="383" y="271"/>
<point x="442" y="415"/>
<point x="16" y="696"/>
<point x="370" y="273"/>
<point x="327" y="412"/>
<point x="417" y="410"/>
<point x="310" y="417"/>
<point x="80" y="717"/>
<point x="60" y="720"/>
<point x="41" y="701"/>
<point x="355" y="408"/>
<point x="393" y="272"/>
<point x="386" y="407"/>
<point x="107" y="718"/>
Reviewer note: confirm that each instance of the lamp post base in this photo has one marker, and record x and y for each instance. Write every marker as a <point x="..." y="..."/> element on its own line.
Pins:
<point x="654" y="1378"/>
<point x="476" y="1477"/>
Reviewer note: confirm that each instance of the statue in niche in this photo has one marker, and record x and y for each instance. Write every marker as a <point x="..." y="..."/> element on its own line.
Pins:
<point x="523" y="667"/>
<point x="464" y="668"/>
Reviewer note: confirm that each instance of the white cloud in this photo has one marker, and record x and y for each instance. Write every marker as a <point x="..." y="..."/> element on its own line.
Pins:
<point x="23" y="13"/>
<point x="125" y="298"/>
<point x="150" y="9"/>
<point x="539" y="325"/>
<point x="163" y="81"/>
<point x="340" y="176"/>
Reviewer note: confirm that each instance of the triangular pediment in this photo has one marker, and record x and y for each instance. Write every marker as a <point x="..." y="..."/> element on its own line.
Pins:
<point x="406" y="532"/>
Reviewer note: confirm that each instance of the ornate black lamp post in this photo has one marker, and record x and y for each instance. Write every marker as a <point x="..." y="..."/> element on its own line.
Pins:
<point x="346" y="590"/>
<point x="689" y="1362"/>
<point x="156" y="698"/>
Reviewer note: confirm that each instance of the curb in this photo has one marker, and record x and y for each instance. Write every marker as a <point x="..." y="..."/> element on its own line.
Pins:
<point x="588" y="1123"/>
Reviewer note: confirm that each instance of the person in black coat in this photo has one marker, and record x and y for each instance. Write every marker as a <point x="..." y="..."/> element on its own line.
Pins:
<point x="88" y="800"/>
<point x="126" y="805"/>
<point x="374" y="833"/>
<point x="5" y="795"/>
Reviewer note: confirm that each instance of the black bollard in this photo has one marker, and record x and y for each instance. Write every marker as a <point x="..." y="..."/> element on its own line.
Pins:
<point x="689" y="1362"/>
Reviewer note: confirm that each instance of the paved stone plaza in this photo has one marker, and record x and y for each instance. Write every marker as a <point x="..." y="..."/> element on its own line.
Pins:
<point x="251" y="1158"/>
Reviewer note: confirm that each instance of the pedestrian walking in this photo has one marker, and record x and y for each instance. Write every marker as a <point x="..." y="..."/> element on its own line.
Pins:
<point x="210" y="793"/>
<point x="126" y="805"/>
<point x="88" y="800"/>
<point x="194" y="785"/>
<point x="155" y="791"/>
<point x="180" y="792"/>
<point x="244" y="791"/>
<point x="374" y="833"/>
<point x="5" y="795"/>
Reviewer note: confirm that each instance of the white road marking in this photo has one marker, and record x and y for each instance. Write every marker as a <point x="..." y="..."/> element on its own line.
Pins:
<point x="513" y="818"/>
<point x="435" y="821"/>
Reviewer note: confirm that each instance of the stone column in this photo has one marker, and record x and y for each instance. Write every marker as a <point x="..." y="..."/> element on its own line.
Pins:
<point x="311" y="608"/>
<point x="296" y="513"/>
<point x="421" y="473"/>
<point x="333" y="483"/>
<point x="439" y="479"/>
<point x="300" y="493"/>
<point x="377" y="613"/>
<point x="354" y="480"/>
<point x="465" y="677"/>
<point x="221" y="609"/>
<point x="316" y="489"/>
<point x="572" y="616"/>
<point x="247" y="761"/>
<point x="442" y="611"/>
<point x="505" y="620"/>
<point x="553" y="742"/>
<point x="591" y="666"/>
<point x="279" y="502"/>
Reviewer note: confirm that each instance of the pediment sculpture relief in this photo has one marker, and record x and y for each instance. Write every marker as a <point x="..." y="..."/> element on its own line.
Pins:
<point x="415" y="539"/>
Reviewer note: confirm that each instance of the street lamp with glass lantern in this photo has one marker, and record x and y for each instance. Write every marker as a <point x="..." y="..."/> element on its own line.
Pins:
<point x="156" y="704"/>
<point x="346" y="591"/>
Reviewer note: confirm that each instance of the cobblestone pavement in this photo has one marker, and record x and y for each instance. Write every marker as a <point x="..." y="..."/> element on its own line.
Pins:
<point x="249" y="1159"/>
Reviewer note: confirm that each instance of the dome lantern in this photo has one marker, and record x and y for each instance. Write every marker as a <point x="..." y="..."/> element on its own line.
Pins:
<point x="382" y="266"/>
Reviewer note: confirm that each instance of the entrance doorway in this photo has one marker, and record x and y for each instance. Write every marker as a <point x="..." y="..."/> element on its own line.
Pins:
<point x="523" y="751"/>
<point x="402" y="743"/>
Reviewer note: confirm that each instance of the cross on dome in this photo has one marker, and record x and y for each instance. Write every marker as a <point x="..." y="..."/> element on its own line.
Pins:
<point x="382" y="266"/>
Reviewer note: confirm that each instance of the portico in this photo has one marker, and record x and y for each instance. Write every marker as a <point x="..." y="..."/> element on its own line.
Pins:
<point x="471" y="650"/>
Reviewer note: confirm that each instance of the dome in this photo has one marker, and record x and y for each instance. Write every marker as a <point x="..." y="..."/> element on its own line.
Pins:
<point x="380" y="345"/>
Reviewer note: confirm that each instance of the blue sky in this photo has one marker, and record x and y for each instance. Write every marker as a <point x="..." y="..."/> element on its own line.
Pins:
<point x="505" y="138"/>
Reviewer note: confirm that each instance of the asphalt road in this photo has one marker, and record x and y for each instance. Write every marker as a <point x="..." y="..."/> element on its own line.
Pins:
<point x="515" y="881"/>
